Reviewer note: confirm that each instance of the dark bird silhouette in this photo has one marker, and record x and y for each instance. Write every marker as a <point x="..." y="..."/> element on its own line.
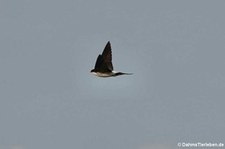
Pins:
<point x="104" y="66"/>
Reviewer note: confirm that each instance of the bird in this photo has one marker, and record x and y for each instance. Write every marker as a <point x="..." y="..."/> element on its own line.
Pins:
<point x="103" y="66"/>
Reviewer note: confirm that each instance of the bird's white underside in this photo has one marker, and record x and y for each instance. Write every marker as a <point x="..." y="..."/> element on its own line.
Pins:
<point x="99" y="74"/>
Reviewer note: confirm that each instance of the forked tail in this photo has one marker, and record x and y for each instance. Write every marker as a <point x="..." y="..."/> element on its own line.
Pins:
<point x="122" y="73"/>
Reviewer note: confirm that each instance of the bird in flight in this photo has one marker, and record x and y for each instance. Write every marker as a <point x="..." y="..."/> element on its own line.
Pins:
<point x="104" y="66"/>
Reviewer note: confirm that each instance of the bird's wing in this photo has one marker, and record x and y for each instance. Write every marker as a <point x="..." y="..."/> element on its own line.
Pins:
<point x="100" y="65"/>
<point x="107" y="56"/>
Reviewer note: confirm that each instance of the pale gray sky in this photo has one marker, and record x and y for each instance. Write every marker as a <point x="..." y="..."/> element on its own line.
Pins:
<point x="49" y="100"/>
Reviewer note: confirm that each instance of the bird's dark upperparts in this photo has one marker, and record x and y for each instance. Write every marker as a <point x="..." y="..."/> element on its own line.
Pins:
<point x="104" y="66"/>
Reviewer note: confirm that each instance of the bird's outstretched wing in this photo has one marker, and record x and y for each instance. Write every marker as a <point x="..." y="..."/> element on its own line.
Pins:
<point x="107" y="56"/>
<point x="100" y="65"/>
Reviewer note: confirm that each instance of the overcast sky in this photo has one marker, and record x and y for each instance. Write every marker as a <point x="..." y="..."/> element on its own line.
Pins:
<point x="49" y="99"/>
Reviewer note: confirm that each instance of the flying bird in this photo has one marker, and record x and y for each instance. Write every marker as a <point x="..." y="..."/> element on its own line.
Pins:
<point x="104" y="66"/>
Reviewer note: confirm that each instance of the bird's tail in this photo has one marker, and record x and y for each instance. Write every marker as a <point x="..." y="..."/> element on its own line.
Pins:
<point x="122" y="73"/>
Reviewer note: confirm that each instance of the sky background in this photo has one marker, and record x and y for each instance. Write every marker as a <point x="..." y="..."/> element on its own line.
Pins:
<point x="49" y="100"/>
